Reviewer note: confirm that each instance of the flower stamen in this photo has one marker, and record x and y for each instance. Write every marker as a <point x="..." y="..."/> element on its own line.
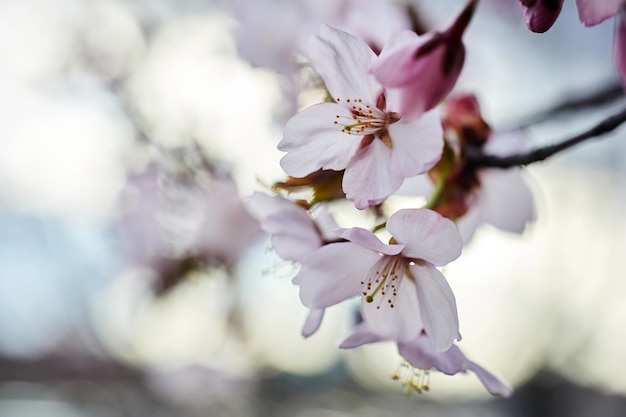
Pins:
<point x="385" y="279"/>
<point x="364" y="120"/>
<point x="412" y="379"/>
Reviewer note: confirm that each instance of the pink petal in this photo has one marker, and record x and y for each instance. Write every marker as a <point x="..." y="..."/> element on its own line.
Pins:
<point x="312" y="141"/>
<point x="402" y="322"/>
<point x="261" y="205"/>
<point x="426" y="234"/>
<point x="542" y="14"/>
<point x="437" y="306"/>
<point x="491" y="383"/>
<point x="421" y="354"/>
<point x="292" y="239"/>
<point x="361" y="336"/>
<point x="416" y="144"/>
<point x="397" y="41"/>
<point x="312" y="322"/>
<point x="333" y="273"/>
<point x="369" y="240"/>
<point x="592" y="12"/>
<point x="325" y="222"/>
<point x="619" y="51"/>
<point x="294" y="235"/>
<point x="342" y="60"/>
<point x="470" y="221"/>
<point x="423" y="81"/>
<point x="368" y="179"/>
<point x="397" y="66"/>
<point x="507" y="202"/>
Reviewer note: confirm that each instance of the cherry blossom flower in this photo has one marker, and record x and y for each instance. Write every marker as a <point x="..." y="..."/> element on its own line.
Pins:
<point x="362" y="131"/>
<point x="423" y="70"/>
<point x="402" y="291"/>
<point x="422" y="356"/>
<point x="295" y="235"/>
<point x="541" y="14"/>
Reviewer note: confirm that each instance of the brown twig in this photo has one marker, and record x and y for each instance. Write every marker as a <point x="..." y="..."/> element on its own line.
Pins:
<point x="476" y="157"/>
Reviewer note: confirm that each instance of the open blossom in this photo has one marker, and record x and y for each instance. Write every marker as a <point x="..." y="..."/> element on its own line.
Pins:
<point x="402" y="291"/>
<point x="423" y="70"/>
<point x="421" y="354"/>
<point x="363" y="131"/>
<point x="295" y="235"/>
<point x="541" y="14"/>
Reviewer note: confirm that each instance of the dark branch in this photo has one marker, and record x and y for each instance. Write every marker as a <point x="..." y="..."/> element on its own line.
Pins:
<point x="475" y="157"/>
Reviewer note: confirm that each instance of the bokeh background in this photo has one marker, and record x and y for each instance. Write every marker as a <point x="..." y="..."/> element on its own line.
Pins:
<point x="132" y="281"/>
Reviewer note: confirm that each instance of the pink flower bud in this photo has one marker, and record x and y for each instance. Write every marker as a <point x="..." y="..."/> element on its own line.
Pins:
<point x="424" y="69"/>
<point x="541" y="14"/>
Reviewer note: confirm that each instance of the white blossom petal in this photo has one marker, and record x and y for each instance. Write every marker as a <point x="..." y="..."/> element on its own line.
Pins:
<point x="421" y="354"/>
<point x="437" y="305"/>
<point x="312" y="141"/>
<point x="333" y="273"/>
<point x="368" y="179"/>
<point x="294" y="235"/>
<point x="369" y="240"/>
<point x="426" y="234"/>
<point x="491" y="382"/>
<point x="361" y="336"/>
<point x="416" y="144"/>
<point x="507" y="203"/>
<point x="342" y="60"/>
<point x="312" y="322"/>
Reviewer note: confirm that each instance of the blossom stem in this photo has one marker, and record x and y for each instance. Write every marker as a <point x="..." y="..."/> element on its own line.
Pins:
<point x="477" y="158"/>
<point x="434" y="198"/>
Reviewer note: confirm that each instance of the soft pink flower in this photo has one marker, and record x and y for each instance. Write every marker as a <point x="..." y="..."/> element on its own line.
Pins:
<point x="420" y="353"/>
<point x="541" y="14"/>
<point x="592" y="12"/>
<point x="295" y="235"/>
<point x="362" y="132"/>
<point x="423" y="70"/>
<point x="402" y="291"/>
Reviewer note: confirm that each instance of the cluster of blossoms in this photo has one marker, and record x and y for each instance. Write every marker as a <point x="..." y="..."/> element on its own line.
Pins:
<point x="381" y="128"/>
<point x="391" y="126"/>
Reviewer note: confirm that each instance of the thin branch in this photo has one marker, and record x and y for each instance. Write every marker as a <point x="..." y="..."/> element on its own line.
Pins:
<point x="607" y="94"/>
<point x="475" y="156"/>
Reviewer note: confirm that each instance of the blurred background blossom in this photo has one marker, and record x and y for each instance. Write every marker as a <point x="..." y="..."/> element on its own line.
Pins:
<point x="133" y="281"/>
